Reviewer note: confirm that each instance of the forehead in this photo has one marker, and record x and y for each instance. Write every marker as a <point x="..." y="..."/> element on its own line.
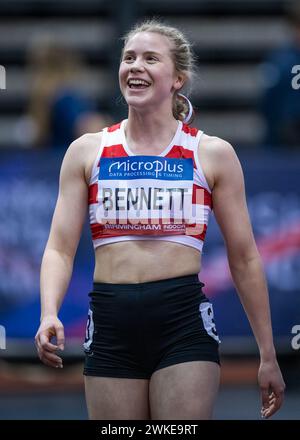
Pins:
<point x="149" y="42"/>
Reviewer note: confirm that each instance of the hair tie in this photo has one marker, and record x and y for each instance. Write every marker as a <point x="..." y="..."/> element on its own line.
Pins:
<point x="190" y="113"/>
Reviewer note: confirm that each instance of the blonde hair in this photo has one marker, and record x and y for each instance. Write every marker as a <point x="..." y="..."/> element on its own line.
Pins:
<point x="183" y="58"/>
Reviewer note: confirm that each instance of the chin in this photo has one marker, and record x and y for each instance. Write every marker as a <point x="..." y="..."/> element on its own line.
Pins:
<point x="137" y="101"/>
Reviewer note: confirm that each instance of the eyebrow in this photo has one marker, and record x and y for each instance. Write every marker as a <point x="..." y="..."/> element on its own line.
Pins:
<point x="152" y="52"/>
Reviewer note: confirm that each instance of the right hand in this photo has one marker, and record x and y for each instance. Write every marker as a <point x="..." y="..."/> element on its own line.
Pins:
<point x="50" y="326"/>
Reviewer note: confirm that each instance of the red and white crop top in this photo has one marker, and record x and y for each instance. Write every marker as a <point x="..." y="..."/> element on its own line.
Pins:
<point x="147" y="197"/>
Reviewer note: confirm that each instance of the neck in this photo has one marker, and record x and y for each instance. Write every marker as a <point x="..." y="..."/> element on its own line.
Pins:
<point x="144" y="129"/>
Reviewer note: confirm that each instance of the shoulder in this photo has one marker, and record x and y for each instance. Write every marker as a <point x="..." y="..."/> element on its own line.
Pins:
<point x="82" y="144"/>
<point x="82" y="152"/>
<point x="215" y="145"/>
<point x="216" y="155"/>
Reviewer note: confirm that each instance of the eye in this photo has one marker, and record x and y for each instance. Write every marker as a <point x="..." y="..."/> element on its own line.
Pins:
<point x="152" y="58"/>
<point x="128" y="58"/>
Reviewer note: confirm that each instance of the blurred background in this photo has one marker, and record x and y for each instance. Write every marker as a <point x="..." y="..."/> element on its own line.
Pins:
<point x="59" y="79"/>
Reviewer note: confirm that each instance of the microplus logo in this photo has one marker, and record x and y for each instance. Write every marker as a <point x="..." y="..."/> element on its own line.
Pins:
<point x="2" y="78"/>
<point x="156" y="166"/>
<point x="146" y="167"/>
<point x="2" y="338"/>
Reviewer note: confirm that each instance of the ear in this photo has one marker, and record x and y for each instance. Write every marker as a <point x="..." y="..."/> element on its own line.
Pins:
<point x="179" y="81"/>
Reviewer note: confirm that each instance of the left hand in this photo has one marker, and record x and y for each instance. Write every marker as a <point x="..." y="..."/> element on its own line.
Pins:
<point x="272" y="387"/>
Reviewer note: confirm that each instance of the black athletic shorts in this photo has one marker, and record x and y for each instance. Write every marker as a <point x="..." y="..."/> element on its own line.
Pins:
<point x="136" y="329"/>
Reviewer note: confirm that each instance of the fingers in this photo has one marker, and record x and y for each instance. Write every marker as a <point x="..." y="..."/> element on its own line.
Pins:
<point x="264" y="397"/>
<point x="45" y="344"/>
<point x="46" y="350"/>
<point x="275" y="400"/>
<point x="60" y="337"/>
<point x="51" y="359"/>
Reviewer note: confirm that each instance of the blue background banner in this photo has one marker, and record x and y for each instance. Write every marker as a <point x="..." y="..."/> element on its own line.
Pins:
<point x="28" y="192"/>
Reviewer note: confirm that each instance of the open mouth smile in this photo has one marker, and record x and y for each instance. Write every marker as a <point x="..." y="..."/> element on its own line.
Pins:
<point x="138" y="84"/>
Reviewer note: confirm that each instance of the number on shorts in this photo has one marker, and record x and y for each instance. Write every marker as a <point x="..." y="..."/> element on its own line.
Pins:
<point x="89" y="331"/>
<point x="207" y="315"/>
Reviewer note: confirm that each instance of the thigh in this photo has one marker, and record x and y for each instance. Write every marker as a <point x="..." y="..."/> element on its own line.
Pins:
<point x="110" y="398"/>
<point x="186" y="390"/>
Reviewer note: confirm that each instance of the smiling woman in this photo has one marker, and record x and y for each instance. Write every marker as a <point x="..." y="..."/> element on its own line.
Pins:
<point x="151" y="182"/>
<point x="174" y="57"/>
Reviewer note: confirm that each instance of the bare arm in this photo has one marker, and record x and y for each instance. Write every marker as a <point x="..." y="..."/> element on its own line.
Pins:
<point x="57" y="262"/>
<point x="229" y="202"/>
<point x="66" y="227"/>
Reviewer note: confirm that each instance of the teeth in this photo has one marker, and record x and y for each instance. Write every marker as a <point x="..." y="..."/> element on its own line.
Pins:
<point x="137" y="82"/>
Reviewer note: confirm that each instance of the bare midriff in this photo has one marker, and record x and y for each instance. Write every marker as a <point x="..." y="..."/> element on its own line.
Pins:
<point x="139" y="261"/>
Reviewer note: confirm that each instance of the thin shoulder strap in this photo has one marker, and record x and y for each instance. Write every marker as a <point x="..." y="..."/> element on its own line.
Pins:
<point x="95" y="170"/>
<point x="197" y="154"/>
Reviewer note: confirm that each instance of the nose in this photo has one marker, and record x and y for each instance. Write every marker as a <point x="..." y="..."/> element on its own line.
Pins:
<point x="137" y="65"/>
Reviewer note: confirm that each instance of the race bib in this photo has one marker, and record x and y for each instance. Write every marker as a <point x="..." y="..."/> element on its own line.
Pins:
<point x="145" y="194"/>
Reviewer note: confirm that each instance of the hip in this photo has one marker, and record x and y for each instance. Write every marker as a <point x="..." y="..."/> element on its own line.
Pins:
<point x="152" y="310"/>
